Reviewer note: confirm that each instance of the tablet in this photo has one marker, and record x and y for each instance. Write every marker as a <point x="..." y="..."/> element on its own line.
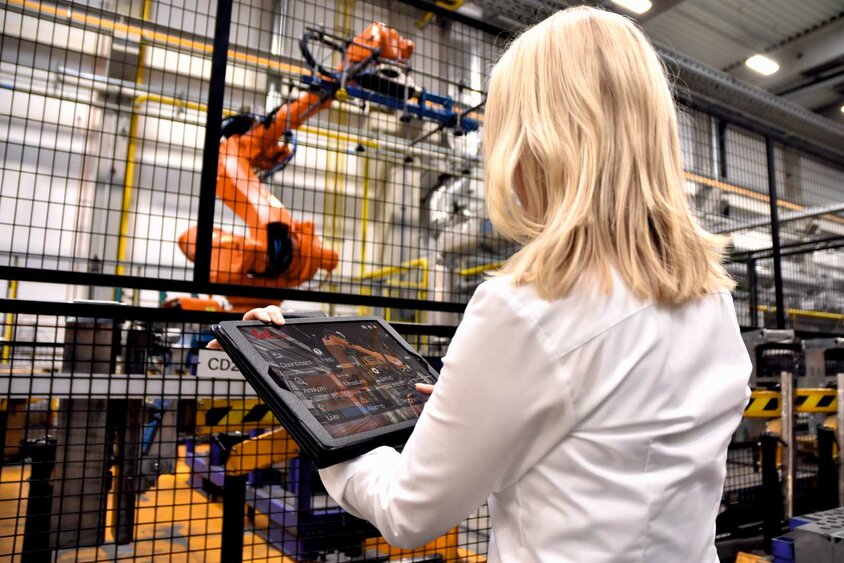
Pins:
<point x="340" y="386"/>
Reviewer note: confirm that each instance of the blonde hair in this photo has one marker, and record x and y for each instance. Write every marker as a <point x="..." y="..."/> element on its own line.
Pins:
<point x="583" y="164"/>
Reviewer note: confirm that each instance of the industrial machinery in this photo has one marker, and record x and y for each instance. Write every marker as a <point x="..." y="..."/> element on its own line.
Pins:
<point x="772" y="352"/>
<point x="824" y="360"/>
<point x="278" y="250"/>
<point x="301" y="519"/>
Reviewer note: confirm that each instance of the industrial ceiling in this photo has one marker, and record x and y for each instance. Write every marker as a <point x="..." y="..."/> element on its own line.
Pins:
<point x="805" y="38"/>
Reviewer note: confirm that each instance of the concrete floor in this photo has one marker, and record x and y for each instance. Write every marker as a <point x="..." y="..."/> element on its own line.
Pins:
<point x="176" y="523"/>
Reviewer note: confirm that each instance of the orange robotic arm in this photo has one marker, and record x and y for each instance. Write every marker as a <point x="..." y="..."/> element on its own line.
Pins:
<point x="277" y="250"/>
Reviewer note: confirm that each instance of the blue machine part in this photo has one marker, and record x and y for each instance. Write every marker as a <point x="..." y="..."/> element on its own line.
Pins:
<point x="782" y="548"/>
<point x="815" y="538"/>
<point x="426" y="105"/>
<point x="151" y="428"/>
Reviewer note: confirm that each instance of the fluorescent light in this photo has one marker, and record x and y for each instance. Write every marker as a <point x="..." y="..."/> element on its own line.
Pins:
<point x="635" y="6"/>
<point x="762" y="64"/>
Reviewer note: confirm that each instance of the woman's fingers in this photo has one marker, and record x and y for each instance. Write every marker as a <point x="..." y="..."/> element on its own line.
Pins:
<point x="424" y="388"/>
<point x="271" y="314"/>
<point x="260" y="314"/>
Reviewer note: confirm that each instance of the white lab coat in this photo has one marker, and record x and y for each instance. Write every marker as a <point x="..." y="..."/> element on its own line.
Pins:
<point x="595" y="425"/>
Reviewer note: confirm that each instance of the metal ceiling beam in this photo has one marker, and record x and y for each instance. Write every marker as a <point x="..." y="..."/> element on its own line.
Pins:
<point x="795" y="92"/>
<point x="659" y="6"/>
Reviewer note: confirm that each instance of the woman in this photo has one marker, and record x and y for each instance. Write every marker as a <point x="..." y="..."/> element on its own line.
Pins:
<point x="592" y="388"/>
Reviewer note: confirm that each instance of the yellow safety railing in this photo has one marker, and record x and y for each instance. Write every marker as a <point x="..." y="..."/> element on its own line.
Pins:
<point x="794" y="313"/>
<point x="390" y="276"/>
<point x="768" y="404"/>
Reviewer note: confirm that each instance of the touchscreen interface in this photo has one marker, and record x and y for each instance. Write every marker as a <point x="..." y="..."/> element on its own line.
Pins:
<point x="353" y="376"/>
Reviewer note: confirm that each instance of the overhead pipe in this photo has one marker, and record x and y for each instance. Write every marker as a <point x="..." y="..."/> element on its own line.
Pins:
<point x="807" y="213"/>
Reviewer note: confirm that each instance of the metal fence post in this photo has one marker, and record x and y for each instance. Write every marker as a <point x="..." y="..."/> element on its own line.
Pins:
<point x="827" y="492"/>
<point x="771" y="489"/>
<point x="775" y="230"/>
<point x="789" y="455"/>
<point x="752" y="293"/>
<point x="234" y="503"/>
<point x="37" y="528"/>
<point x="210" y="156"/>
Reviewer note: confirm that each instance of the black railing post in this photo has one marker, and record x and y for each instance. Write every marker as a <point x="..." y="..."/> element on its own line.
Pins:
<point x="752" y="293"/>
<point x="775" y="230"/>
<point x="234" y="502"/>
<point x="722" y="148"/>
<point x="210" y="156"/>
<point x="772" y="498"/>
<point x="827" y="493"/>
<point x="37" y="536"/>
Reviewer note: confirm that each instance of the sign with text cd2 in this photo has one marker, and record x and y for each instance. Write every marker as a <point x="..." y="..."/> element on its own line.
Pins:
<point x="216" y="363"/>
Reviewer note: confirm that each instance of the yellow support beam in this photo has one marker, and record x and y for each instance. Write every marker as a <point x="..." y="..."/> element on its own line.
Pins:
<point x="9" y="329"/>
<point x="261" y="452"/>
<point x="452" y="5"/>
<point x="225" y="415"/>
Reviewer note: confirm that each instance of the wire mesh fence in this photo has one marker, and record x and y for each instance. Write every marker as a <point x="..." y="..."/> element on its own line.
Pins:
<point x="342" y="163"/>
<point x="126" y="439"/>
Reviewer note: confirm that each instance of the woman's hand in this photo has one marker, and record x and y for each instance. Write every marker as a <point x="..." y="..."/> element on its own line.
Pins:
<point x="271" y="314"/>
<point x="416" y="403"/>
<point x="424" y="388"/>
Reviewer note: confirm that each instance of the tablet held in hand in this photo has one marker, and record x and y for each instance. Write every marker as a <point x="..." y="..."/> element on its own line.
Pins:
<point x="340" y="386"/>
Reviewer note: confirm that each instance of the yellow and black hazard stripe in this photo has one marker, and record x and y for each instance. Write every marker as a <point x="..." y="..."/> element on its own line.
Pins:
<point x="767" y="404"/>
<point x="816" y="400"/>
<point x="224" y="415"/>
<point x="763" y="404"/>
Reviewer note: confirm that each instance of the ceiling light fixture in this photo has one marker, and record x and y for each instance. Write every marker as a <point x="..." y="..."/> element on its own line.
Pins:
<point x="842" y="109"/>
<point x="635" y="6"/>
<point x="763" y="65"/>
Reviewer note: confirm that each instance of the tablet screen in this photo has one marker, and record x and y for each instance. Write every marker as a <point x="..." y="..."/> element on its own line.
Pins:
<point x="353" y="376"/>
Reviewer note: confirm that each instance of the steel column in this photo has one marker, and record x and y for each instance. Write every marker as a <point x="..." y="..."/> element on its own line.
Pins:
<point x="213" y="124"/>
<point x="775" y="231"/>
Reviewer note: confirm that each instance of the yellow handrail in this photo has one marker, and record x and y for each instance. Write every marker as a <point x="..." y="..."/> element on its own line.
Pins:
<point x="479" y="269"/>
<point x="9" y="329"/>
<point x="129" y="174"/>
<point x="791" y="312"/>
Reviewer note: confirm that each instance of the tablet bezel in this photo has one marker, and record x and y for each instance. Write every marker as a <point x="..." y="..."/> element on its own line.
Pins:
<point x="324" y="449"/>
